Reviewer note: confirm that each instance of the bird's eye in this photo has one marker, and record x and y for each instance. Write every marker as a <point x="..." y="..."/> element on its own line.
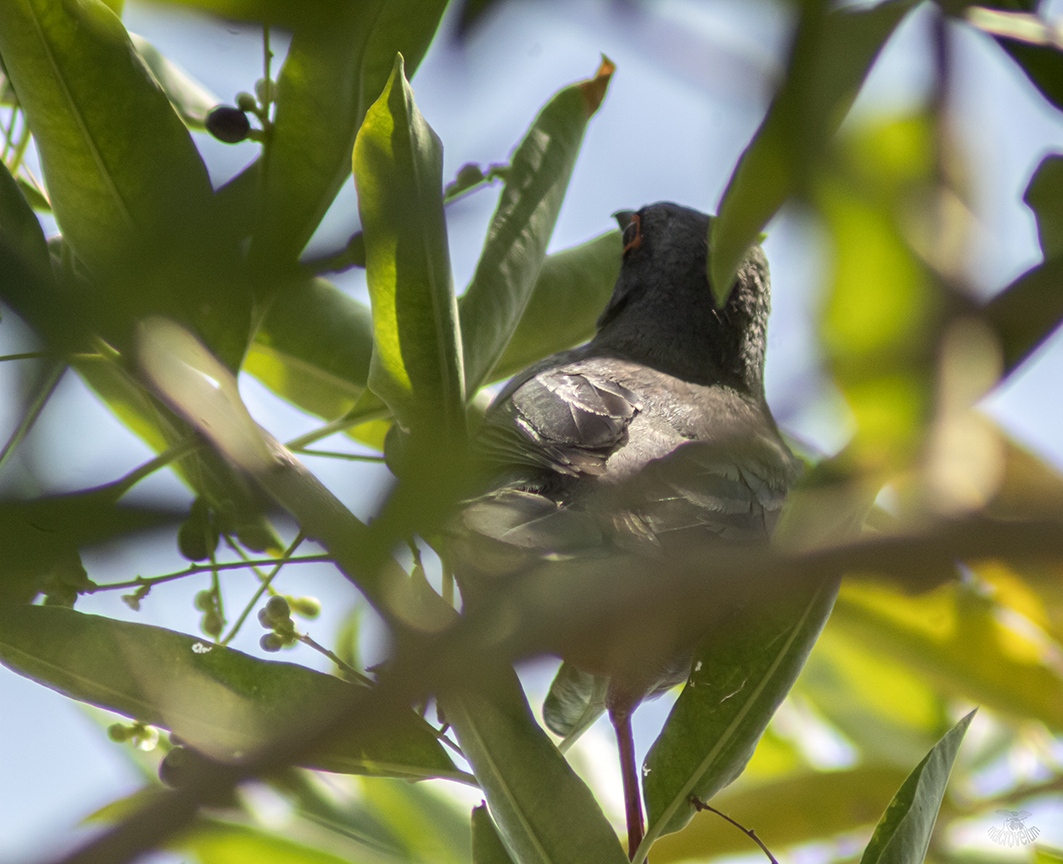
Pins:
<point x="633" y="234"/>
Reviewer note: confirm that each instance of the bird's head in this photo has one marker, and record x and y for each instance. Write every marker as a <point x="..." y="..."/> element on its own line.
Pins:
<point x="662" y="311"/>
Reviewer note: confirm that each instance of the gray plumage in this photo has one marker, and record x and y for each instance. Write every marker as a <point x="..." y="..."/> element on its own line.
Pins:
<point x="654" y="434"/>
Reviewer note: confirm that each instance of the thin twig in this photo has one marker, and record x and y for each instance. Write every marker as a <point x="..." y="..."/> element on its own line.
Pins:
<point x="264" y="587"/>
<point x="204" y="568"/>
<point x="336" y="454"/>
<point x="346" y="667"/>
<point x="749" y="832"/>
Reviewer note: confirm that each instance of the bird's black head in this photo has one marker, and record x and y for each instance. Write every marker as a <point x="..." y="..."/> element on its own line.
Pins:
<point x="662" y="311"/>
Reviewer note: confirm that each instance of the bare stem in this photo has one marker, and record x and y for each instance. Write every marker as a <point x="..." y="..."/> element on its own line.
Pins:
<point x="205" y="568"/>
<point x="749" y="832"/>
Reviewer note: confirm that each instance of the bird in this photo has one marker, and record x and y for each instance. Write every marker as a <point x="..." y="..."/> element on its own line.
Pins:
<point x="653" y="435"/>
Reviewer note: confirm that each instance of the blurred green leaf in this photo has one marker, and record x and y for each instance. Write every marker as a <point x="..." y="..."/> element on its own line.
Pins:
<point x="520" y="230"/>
<point x="144" y="416"/>
<point x="219" y="700"/>
<point x="888" y="710"/>
<point x="472" y="12"/>
<point x="785" y="812"/>
<point x="40" y="538"/>
<point x="570" y="293"/>
<point x="1042" y="65"/>
<point x="314" y="348"/>
<point x="830" y="58"/>
<point x="1027" y="312"/>
<point x="283" y="13"/>
<point x="740" y="675"/>
<point x="215" y="842"/>
<point x="34" y="196"/>
<point x="1030" y="309"/>
<point x="20" y="231"/>
<point x="881" y="315"/>
<point x="398" y="169"/>
<point x="103" y="128"/>
<point x="335" y="69"/>
<point x="487" y="846"/>
<point x="27" y="283"/>
<point x="903" y="835"/>
<point x="202" y="469"/>
<point x="427" y="826"/>
<point x="191" y="99"/>
<point x="1044" y="855"/>
<point x="1044" y="195"/>
<point x="959" y="641"/>
<point x="543" y="811"/>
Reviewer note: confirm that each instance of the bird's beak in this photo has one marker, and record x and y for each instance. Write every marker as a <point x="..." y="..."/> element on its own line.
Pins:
<point x="624" y="218"/>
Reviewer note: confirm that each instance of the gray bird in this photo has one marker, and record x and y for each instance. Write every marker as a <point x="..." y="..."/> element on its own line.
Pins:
<point x="653" y="435"/>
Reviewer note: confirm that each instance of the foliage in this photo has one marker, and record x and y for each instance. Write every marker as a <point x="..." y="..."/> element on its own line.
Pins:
<point x="160" y="290"/>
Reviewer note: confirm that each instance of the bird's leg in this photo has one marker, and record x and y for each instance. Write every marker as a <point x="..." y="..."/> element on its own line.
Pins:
<point x="620" y="710"/>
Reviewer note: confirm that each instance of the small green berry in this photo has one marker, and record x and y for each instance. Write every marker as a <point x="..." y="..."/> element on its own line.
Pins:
<point x="306" y="607"/>
<point x="246" y="102"/>
<point x="174" y="768"/>
<point x="196" y="539"/>
<point x="205" y="601"/>
<point x="265" y="90"/>
<point x="278" y="610"/>
<point x="119" y="733"/>
<point x="212" y="623"/>
<point x="271" y="642"/>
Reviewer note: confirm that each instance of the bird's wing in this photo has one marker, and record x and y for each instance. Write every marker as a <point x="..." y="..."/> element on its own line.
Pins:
<point x="730" y="490"/>
<point x="562" y="420"/>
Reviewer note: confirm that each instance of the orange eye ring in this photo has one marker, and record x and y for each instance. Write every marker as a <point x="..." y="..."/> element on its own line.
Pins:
<point x="635" y="241"/>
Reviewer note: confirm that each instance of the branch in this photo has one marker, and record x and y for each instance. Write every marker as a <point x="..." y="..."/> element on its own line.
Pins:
<point x="539" y="612"/>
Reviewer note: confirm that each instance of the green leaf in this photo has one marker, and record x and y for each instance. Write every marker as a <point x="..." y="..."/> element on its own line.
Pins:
<point x="282" y="13"/>
<point x="428" y="826"/>
<point x="520" y="230"/>
<point x="215" y="842"/>
<point x="39" y="539"/>
<point x="1030" y="309"/>
<point x="333" y="72"/>
<point x="790" y="810"/>
<point x="882" y="316"/>
<point x="570" y="293"/>
<point x="20" y="231"/>
<point x="487" y="846"/>
<point x="960" y="642"/>
<point x="190" y="99"/>
<point x="831" y="56"/>
<point x="103" y="128"/>
<point x="1027" y="312"/>
<point x="314" y="348"/>
<point x="398" y="170"/>
<point x="903" y="834"/>
<point x="1043" y="195"/>
<point x="219" y="700"/>
<point x="740" y="675"/>
<point x="543" y="811"/>
<point x="1042" y="64"/>
<point x="890" y="712"/>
